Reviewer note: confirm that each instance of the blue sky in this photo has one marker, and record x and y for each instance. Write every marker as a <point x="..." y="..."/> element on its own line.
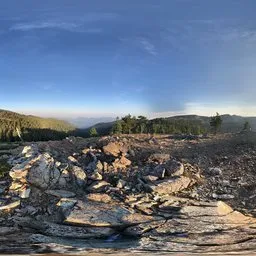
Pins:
<point x="96" y="58"/>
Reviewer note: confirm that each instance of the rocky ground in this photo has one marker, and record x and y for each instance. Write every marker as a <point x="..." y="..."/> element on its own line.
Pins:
<point x="136" y="192"/>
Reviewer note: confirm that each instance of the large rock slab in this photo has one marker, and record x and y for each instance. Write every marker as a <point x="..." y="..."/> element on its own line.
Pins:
<point x="198" y="224"/>
<point x="98" y="214"/>
<point x="57" y="230"/>
<point x="171" y="185"/>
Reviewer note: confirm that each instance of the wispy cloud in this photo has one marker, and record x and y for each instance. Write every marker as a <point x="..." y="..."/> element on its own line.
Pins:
<point x="87" y="23"/>
<point x="140" y="42"/>
<point x="72" y="27"/>
<point x="43" y="25"/>
<point x="148" y="46"/>
<point x="181" y="34"/>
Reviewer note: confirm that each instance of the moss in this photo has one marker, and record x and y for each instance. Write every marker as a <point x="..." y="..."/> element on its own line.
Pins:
<point x="4" y="168"/>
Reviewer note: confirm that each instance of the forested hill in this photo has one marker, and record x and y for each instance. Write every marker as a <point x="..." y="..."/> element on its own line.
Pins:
<point x="31" y="128"/>
<point x="185" y="124"/>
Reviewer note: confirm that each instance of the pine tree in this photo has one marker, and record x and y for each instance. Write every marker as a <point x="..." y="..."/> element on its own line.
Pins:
<point x="117" y="127"/>
<point x="216" y="122"/>
<point x="93" y="132"/>
<point x="247" y="126"/>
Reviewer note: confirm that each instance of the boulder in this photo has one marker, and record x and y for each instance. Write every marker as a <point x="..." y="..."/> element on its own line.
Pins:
<point x="115" y="149"/>
<point x="43" y="173"/>
<point x="121" y="163"/>
<point x="79" y="176"/>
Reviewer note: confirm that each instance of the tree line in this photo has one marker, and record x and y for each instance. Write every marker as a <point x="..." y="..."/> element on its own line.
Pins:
<point x="131" y="124"/>
<point x="139" y="125"/>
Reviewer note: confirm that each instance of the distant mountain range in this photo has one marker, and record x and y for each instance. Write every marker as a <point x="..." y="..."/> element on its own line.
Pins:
<point x="231" y="123"/>
<point x="85" y="122"/>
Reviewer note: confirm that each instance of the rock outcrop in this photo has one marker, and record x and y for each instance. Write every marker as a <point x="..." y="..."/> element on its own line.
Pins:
<point x="103" y="191"/>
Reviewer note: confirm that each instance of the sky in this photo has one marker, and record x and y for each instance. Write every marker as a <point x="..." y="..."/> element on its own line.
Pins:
<point x="98" y="58"/>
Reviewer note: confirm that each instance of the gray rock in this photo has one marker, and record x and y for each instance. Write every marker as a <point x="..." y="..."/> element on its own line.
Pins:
<point x="142" y="229"/>
<point x="99" y="166"/>
<point x="115" y="149"/>
<point x="25" y="193"/>
<point x="98" y="187"/>
<point x="64" y="179"/>
<point x="160" y="158"/>
<point x="79" y="175"/>
<point x="66" y="205"/>
<point x="99" y="197"/>
<point x="61" y="193"/>
<point x="43" y="173"/>
<point x="121" y="163"/>
<point x="171" y="185"/>
<point x="223" y="196"/>
<point x="105" y="215"/>
<point x="215" y="171"/>
<point x="96" y="176"/>
<point x="72" y="160"/>
<point x="175" y="168"/>
<point x="20" y="171"/>
<point x="150" y="178"/>
<point x="30" y="151"/>
<point x="10" y="206"/>
<point x="121" y="183"/>
<point x="30" y="210"/>
<point x="56" y="230"/>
